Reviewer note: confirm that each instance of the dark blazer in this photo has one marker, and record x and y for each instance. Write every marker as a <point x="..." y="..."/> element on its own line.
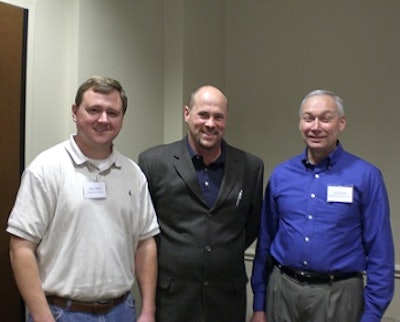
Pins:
<point x="202" y="274"/>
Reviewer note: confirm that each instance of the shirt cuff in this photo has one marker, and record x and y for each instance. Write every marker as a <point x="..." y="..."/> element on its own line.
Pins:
<point x="259" y="302"/>
<point x="368" y="317"/>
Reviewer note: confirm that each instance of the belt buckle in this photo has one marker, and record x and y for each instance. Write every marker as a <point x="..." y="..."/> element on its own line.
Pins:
<point x="301" y="276"/>
<point x="331" y="278"/>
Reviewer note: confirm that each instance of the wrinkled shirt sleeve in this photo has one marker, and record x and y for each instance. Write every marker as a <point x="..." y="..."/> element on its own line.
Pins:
<point x="379" y="248"/>
<point x="268" y="226"/>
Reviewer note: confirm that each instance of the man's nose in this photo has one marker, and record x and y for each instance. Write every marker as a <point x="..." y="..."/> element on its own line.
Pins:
<point x="210" y="122"/>
<point x="315" y="124"/>
<point x="103" y="117"/>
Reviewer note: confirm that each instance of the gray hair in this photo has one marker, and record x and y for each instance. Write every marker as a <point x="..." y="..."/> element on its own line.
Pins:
<point x="317" y="92"/>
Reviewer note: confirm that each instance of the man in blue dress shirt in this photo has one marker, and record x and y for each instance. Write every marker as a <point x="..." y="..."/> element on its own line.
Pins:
<point x="325" y="220"/>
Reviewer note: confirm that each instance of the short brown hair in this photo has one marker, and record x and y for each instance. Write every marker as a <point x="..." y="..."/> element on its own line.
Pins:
<point x="103" y="85"/>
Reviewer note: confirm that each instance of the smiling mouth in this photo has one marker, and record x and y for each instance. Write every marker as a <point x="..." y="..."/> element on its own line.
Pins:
<point x="209" y="134"/>
<point x="100" y="130"/>
<point x="315" y="139"/>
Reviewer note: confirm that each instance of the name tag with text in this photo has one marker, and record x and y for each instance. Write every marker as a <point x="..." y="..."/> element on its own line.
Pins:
<point x="340" y="194"/>
<point x="94" y="190"/>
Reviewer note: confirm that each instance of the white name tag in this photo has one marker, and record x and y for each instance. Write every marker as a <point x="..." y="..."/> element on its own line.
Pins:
<point x="94" y="190"/>
<point x="340" y="194"/>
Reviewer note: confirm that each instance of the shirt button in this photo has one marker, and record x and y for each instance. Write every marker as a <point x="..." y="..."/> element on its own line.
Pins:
<point x="310" y="217"/>
<point x="206" y="183"/>
<point x="316" y="175"/>
<point x="313" y="195"/>
<point x="305" y="263"/>
<point x="205" y="283"/>
<point x="306" y="239"/>
<point x="208" y="249"/>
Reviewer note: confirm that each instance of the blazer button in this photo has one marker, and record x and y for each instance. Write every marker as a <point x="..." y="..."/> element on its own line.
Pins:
<point x="208" y="249"/>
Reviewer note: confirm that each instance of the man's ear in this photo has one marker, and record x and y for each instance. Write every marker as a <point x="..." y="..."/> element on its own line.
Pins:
<point x="186" y="113"/>
<point x="342" y="123"/>
<point x="74" y="110"/>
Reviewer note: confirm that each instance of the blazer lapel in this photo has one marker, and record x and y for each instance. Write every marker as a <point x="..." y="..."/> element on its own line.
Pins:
<point x="184" y="166"/>
<point x="232" y="172"/>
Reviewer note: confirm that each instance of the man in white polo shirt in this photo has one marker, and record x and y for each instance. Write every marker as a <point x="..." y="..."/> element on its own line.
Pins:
<point x="83" y="222"/>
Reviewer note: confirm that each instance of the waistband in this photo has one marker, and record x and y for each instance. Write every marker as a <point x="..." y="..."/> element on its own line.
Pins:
<point x="99" y="307"/>
<point x="316" y="278"/>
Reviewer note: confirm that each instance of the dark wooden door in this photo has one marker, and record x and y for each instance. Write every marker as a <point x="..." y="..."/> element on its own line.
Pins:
<point x="13" y="30"/>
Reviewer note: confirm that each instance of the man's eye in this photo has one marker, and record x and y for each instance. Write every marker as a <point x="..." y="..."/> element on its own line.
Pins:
<point x="112" y="114"/>
<point x="203" y="115"/>
<point x="327" y="118"/>
<point x="308" y="119"/>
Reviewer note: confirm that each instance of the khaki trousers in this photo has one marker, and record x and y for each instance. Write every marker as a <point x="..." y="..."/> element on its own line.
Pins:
<point x="289" y="300"/>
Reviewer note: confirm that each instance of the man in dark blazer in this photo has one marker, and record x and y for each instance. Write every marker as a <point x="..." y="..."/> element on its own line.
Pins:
<point x="207" y="195"/>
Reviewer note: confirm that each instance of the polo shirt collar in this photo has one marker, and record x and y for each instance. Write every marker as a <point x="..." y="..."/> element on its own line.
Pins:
<point x="220" y="161"/>
<point x="79" y="158"/>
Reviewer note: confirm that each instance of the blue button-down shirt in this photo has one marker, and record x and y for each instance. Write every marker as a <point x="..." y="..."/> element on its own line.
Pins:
<point x="331" y="217"/>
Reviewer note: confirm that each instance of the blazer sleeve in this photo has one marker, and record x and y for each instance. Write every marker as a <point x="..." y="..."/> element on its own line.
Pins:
<point x="253" y="223"/>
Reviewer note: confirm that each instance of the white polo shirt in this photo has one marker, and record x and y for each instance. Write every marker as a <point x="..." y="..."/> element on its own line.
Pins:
<point x="87" y="222"/>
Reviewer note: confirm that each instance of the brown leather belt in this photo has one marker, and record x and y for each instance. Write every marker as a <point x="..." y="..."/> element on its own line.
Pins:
<point x="99" y="307"/>
<point x="316" y="278"/>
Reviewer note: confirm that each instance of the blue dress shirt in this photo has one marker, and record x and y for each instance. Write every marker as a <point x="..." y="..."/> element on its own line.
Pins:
<point x="327" y="218"/>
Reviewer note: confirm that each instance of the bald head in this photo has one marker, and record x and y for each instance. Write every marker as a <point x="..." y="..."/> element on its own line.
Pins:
<point x="209" y="93"/>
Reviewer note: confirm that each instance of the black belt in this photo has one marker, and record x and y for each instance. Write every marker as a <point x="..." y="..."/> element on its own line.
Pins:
<point x="99" y="307"/>
<point x="316" y="278"/>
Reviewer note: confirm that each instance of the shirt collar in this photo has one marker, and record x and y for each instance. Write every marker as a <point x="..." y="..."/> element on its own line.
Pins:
<point x="328" y="162"/>
<point x="220" y="161"/>
<point x="79" y="158"/>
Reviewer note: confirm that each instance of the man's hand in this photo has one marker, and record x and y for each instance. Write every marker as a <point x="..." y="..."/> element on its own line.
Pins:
<point x="259" y="316"/>
<point x="146" y="318"/>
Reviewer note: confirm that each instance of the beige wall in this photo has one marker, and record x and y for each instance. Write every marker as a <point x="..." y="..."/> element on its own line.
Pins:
<point x="265" y="54"/>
